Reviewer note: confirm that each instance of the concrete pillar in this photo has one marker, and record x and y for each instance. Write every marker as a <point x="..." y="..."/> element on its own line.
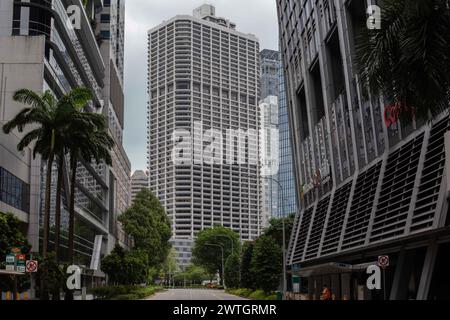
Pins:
<point x="345" y="286"/>
<point x="318" y="288"/>
<point x="427" y="271"/>
<point x="311" y="288"/>
<point x="402" y="275"/>
<point x="336" y="286"/>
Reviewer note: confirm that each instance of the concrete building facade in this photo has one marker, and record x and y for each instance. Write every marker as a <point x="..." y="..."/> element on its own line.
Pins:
<point x="367" y="187"/>
<point x="203" y="79"/>
<point x="139" y="181"/>
<point x="41" y="49"/>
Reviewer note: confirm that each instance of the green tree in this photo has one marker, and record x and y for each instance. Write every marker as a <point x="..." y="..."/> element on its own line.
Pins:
<point x="266" y="264"/>
<point x="50" y="273"/>
<point x="11" y="236"/>
<point x="232" y="267"/>
<point x="196" y="274"/>
<point x="247" y="276"/>
<point x="113" y="265"/>
<point x="210" y="257"/>
<point x="275" y="229"/>
<point x="126" y="268"/>
<point x="147" y="222"/>
<point x="49" y="118"/>
<point x="408" y="59"/>
<point x="169" y="266"/>
<point x="88" y="141"/>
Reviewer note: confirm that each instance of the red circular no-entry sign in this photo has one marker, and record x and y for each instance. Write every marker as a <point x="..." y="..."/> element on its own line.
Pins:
<point x="32" y="266"/>
<point x="383" y="261"/>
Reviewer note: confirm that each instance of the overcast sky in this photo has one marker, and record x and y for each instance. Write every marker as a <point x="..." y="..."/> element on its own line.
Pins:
<point x="258" y="17"/>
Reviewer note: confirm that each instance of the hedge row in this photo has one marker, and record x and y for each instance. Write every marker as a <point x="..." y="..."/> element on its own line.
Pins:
<point x="123" y="292"/>
<point x="252" y="294"/>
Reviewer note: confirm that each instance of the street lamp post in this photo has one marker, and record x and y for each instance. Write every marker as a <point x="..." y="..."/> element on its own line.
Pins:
<point x="284" y="237"/>
<point x="232" y="250"/>
<point x="223" y="270"/>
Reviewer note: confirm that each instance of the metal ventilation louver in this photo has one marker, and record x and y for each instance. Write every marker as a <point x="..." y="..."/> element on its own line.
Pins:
<point x="336" y="219"/>
<point x="396" y="191"/>
<point x="294" y="233"/>
<point x="317" y="228"/>
<point x="302" y="235"/>
<point x="361" y="207"/>
<point x="431" y="179"/>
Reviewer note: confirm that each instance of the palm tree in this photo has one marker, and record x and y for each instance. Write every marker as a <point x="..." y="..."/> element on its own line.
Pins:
<point x="76" y="100"/>
<point x="48" y="118"/>
<point x="89" y="141"/>
<point x="408" y="59"/>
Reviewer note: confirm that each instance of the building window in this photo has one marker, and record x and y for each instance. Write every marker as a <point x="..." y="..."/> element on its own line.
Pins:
<point x="107" y="3"/>
<point x="105" y="18"/>
<point x="105" y="34"/>
<point x="14" y="191"/>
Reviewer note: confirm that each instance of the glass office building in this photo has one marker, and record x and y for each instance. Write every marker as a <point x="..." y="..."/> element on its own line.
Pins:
<point x="287" y="194"/>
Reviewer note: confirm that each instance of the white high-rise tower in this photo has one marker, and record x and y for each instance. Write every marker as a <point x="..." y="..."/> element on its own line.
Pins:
<point x="204" y="78"/>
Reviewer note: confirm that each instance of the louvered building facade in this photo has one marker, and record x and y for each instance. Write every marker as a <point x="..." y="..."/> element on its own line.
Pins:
<point x="365" y="188"/>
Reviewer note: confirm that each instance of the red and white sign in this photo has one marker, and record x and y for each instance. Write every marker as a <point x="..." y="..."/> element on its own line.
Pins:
<point x="383" y="261"/>
<point x="32" y="266"/>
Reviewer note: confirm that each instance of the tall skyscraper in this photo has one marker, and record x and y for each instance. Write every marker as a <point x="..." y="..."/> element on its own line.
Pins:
<point x="41" y="48"/>
<point x="139" y="181"/>
<point x="270" y="61"/>
<point x="369" y="186"/>
<point x="268" y="109"/>
<point x="270" y="80"/>
<point x="287" y="194"/>
<point x="203" y="86"/>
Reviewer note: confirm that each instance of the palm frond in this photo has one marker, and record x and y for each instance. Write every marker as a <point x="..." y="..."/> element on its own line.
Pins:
<point x="29" y="137"/>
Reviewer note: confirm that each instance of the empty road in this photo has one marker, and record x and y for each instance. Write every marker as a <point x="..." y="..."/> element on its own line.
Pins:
<point x="193" y="294"/>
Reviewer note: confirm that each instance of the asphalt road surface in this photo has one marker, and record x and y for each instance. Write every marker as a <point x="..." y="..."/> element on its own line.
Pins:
<point x="193" y="294"/>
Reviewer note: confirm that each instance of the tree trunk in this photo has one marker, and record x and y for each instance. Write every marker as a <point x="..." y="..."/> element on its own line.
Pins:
<point x="73" y="165"/>
<point x="58" y="208"/>
<point x="48" y="183"/>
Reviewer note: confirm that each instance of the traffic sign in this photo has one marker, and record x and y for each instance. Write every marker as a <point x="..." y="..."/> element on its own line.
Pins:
<point x="10" y="259"/>
<point x="21" y="257"/>
<point x="16" y="250"/>
<point x="32" y="266"/>
<point x="383" y="261"/>
<point x="10" y="262"/>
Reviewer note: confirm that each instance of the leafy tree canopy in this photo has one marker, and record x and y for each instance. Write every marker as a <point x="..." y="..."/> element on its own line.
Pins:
<point x="266" y="264"/>
<point x="275" y="229"/>
<point x="210" y="257"/>
<point x="147" y="222"/>
<point x="232" y="267"/>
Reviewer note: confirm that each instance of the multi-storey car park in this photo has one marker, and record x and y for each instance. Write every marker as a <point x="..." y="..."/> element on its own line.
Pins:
<point x="366" y="188"/>
<point x="41" y="49"/>
<point x="203" y="74"/>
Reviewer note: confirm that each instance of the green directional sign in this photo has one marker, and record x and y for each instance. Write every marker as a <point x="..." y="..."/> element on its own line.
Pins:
<point x="10" y="261"/>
